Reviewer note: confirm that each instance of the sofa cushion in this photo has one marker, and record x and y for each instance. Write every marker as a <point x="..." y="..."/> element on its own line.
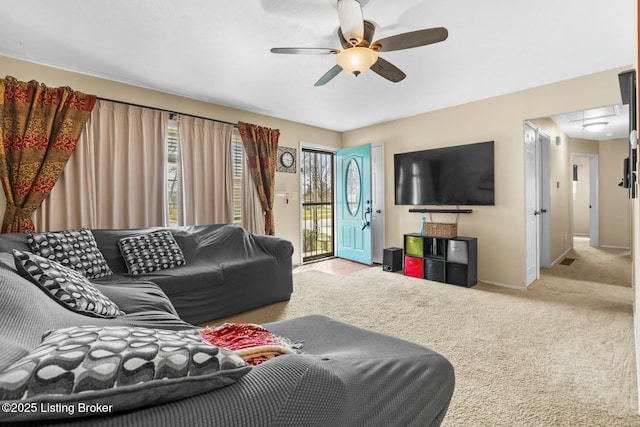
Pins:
<point x="132" y="294"/>
<point x="66" y="286"/>
<point x="116" y="367"/>
<point x="151" y="252"/>
<point x="76" y="249"/>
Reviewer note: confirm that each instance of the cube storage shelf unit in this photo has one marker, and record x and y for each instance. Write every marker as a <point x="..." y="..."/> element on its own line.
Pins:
<point x="452" y="260"/>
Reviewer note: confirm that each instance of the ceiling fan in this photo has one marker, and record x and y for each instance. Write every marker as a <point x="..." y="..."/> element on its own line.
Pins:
<point x="360" y="53"/>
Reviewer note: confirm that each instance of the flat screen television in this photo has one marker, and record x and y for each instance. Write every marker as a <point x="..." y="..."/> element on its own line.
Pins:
<point x="459" y="175"/>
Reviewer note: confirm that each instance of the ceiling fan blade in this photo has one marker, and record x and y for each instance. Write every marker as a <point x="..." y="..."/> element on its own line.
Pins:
<point x="329" y="75"/>
<point x="305" y="50"/>
<point x="411" y="39"/>
<point x="351" y="21"/>
<point x="387" y="70"/>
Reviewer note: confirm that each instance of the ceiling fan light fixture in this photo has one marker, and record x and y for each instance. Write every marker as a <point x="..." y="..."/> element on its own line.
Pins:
<point x="357" y="60"/>
<point x="595" y="126"/>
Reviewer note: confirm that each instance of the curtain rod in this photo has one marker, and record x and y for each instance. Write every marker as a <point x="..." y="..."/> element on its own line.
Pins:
<point x="168" y="111"/>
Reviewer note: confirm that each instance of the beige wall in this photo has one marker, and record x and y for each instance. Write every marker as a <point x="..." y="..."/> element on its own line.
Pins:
<point x="584" y="146"/>
<point x="615" y="207"/>
<point x="287" y="215"/>
<point x="499" y="228"/>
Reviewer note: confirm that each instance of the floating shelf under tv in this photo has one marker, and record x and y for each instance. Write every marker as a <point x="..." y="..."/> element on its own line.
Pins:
<point x="455" y="211"/>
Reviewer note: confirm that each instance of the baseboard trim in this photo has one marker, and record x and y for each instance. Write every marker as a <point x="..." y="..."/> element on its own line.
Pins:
<point x="560" y="258"/>
<point x="503" y="285"/>
<point x="615" y="247"/>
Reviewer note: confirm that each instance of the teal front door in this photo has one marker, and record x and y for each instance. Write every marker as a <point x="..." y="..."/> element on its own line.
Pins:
<point x="353" y="203"/>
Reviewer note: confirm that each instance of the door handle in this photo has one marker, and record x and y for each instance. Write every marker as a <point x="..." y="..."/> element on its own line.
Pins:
<point x="536" y="212"/>
<point x="378" y="211"/>
<point x="366" y="221"/>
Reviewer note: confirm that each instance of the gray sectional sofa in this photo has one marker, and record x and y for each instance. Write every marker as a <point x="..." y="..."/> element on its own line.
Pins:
<point x="227" y="270"/>
<point x="57" y="361"/>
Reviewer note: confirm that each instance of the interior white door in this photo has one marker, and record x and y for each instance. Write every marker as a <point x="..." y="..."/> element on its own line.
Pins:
<point x="531" y="217"/>
<point x="594" y="214"/>
<point x="544" y="184"/>
<point x="377" y="202"/>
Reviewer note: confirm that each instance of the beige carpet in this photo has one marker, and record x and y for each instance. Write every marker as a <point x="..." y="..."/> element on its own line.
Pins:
<point x="600" y="265"/>
<point x="559" y="354"/>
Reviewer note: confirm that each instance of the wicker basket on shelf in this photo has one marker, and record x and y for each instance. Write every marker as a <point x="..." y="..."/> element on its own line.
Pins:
<point x="439" y="229"/>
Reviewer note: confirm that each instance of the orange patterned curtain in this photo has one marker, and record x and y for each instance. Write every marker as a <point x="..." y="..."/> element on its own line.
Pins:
<point x="40" y="129"/>
<point x="261" y="148"/>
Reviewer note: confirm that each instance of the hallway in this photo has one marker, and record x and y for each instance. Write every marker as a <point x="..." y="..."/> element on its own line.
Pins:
<point x="597" y="265"/>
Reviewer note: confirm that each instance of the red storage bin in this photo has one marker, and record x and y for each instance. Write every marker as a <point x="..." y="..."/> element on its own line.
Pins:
<point x="413" y="267"/>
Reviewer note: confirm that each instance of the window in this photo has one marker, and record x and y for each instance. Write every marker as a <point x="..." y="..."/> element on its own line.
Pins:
<point x="172" y="173"/>
<point x="238" y="171"/>
<point x="173" y="179"/>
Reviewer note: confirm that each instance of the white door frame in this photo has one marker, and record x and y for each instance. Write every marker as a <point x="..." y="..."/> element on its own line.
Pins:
<point x="594" y="198"/>
<point x="377" y="202"/>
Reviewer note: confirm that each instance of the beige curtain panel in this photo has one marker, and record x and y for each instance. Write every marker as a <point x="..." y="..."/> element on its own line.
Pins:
<point x="115" y="178"/>
<point x="205" y="166"/>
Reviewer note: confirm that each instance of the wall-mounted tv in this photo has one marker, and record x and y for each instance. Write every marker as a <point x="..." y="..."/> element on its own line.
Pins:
<point x="459" y="175"/>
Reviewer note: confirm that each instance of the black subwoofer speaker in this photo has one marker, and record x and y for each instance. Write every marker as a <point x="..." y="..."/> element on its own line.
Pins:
<point x="392" y="259"/>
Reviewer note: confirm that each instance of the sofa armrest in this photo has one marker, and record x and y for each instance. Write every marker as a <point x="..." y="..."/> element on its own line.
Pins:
<point x="280" y="248"/>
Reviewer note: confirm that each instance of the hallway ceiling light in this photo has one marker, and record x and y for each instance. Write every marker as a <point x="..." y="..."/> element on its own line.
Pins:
<point x="595" y="126"/>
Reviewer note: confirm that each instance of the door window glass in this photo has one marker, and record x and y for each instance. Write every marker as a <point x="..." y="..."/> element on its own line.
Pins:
<point x="353" y="187"/>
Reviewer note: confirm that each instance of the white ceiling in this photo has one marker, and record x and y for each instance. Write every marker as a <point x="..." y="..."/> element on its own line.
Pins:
<point x="218" y="51"/>
<point x="616" y="118"/>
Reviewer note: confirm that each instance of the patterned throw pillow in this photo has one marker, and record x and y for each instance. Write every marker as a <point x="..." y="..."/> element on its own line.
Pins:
<point x="56" y="247"/>
<point x="117" y="367"/>
<point x="67" y="286"/>
<point x="151" y="252"/>
<point x="75" y="249"/>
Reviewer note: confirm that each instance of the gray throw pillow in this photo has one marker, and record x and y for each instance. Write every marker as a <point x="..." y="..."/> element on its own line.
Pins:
<point x="149" y="252"/>
<point x="66" y="286"/>
<point x="75" y="249"/>
<point x="117" y="368"/>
